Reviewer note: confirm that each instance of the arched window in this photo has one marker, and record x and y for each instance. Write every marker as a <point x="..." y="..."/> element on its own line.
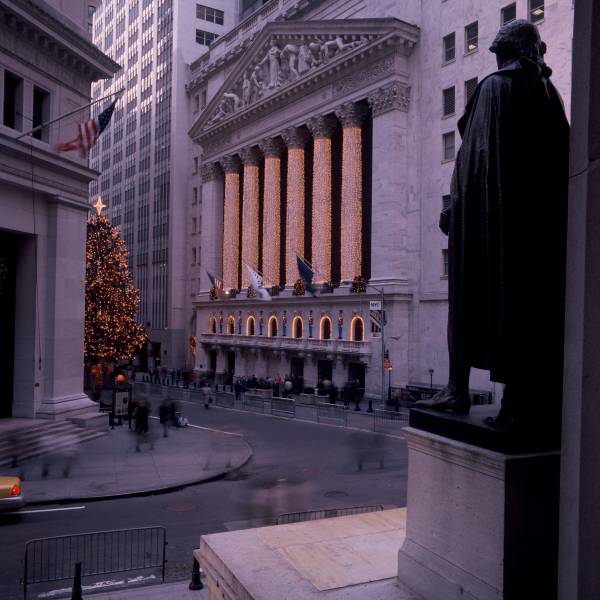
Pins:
<point x="272" y="326"/>
<point x="230" y="325"/>
<point x="250" y="325"/>
<point x="212" y="324"/>
<point x="297" y="327"/>
<point x="325" y="328"/>
<point x="357" y="329"/>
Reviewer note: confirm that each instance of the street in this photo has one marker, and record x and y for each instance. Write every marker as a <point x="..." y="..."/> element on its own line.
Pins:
<point x="296" y="466"/>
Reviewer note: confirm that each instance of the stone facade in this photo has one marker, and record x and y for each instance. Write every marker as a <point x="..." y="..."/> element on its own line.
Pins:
<point x="376" y="67"/>
<point x="43" y="209"/>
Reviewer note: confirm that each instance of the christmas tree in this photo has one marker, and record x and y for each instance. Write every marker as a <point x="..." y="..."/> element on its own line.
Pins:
<point x="111" y="299"/>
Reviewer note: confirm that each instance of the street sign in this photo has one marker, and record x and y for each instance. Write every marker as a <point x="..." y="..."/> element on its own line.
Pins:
<point x="375" y="305"/>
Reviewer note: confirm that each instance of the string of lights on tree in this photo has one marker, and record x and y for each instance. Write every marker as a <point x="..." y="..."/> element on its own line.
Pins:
<point x="111" y="299"/>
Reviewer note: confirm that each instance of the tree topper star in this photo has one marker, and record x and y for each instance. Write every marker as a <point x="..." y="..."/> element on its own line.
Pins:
<point x="99" y="206"/>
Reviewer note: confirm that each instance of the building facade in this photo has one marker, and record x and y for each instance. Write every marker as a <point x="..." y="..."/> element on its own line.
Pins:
<point x="145" y="154"/>
<point x="47" y="65"/>
<point x="330" y="133"/>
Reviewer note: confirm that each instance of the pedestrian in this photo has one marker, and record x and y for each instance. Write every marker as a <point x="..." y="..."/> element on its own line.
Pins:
<point x="163" y="414"/>
<point x="142" y="424"/>
<point x="207" y="396"/>
<point x="333" y="393"/>
<point x="237" y="388"/>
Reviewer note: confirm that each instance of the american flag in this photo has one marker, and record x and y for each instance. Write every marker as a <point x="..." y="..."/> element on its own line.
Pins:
<point x="88" y="132"/>
<point x="217" y="284"/>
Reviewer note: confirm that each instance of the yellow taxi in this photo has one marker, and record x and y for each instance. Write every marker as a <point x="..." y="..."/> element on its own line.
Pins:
<point x="11" y="493"/>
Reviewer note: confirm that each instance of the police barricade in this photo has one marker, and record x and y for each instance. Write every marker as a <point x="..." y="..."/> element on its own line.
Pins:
<point x="254" y="403"/>
<point x="332" y="414"/>
<point x="388" y="421"/>
<point x="283" y="407"/>
<point x="225" y="399"/>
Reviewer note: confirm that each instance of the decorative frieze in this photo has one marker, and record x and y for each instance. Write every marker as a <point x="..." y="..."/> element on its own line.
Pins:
<point x="364" y="76"/>
<point x="395" y="96"/>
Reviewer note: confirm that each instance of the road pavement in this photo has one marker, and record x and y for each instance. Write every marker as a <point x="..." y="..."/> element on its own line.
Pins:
<point x="295" y="466"/>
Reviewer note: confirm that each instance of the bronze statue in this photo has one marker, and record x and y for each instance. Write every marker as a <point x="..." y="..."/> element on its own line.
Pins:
<point x="506" y="227"/>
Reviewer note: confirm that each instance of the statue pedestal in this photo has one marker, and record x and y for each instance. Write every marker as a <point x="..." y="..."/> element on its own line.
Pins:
<point x="481" y="524"/>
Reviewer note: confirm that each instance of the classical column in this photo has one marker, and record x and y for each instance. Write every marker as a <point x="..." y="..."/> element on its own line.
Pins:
<point x="251" y="158"/>
<point x="321" y="128"/>
<point x="350" y="116"/>
<point x="295" y="140"/>
<point x="211" y="215"/>
<point x="271" y="242"/>
<point x="392" y="224"/>
<point x="231" y="222"/>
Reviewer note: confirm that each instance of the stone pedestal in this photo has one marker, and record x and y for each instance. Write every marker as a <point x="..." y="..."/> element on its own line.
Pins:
<point x="481" y="524"/>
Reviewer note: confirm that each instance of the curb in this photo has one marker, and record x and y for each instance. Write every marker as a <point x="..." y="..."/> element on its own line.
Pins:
<point x="148" y="491"/>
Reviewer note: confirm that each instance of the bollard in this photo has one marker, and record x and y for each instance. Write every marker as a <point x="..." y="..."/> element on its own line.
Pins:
<point x="196" y="583"/>
<point x="77" y="592"/>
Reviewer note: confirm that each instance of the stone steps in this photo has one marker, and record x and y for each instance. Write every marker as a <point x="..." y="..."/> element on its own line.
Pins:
<point x="42" y="437"/>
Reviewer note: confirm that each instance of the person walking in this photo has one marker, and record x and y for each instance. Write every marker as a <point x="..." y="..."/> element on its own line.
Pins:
<point x="163" y="415"/>
<point x="142" y="424"/>
<point x="207" y="396"/>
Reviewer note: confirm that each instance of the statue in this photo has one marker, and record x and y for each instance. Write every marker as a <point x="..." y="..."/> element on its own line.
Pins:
<point x="246" y="90"/>
<point x="506" y="227"/>
<point x="257" y="83"/>
<point x="305" y="59"/>
<point x="290" y="55"/>
<point x="272" y="57"/>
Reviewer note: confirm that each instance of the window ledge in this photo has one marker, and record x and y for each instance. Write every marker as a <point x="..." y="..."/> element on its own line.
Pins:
<point x="448" y="62"/>
<point x="449" y="116"/>
<point x="448" y="160"/>
<point x="471" y="52"/>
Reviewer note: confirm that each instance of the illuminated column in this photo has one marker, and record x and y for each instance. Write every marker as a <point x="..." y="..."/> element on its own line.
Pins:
<point x="321" y="129"/>
<point x="251" y="158"/>
<point x="272" y="148"/>
<point x="295" y="140"/>
<point x="231" y="221"/>
<point x="350" y="116"/>
<point x="211" y="215"/>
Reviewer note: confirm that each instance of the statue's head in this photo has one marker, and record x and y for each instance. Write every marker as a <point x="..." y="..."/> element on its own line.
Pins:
<point x="518" y="39"/>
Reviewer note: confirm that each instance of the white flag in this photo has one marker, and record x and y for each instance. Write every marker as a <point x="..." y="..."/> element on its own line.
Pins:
<point x="257" y="284"/>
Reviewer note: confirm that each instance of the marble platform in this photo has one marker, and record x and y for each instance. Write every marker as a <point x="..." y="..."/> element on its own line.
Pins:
<point x="343" y="558"/>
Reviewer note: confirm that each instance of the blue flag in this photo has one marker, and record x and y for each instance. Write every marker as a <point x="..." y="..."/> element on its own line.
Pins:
<point x="306" y="274"/>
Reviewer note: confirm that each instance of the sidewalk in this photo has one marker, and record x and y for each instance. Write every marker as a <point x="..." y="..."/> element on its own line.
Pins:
<point x="109" y="466"/>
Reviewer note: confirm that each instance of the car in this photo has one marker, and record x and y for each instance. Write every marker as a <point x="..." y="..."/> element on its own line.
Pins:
<point x="11" y="494"/>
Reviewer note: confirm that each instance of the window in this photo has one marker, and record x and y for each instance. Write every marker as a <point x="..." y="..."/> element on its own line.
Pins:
<point x="203" y="103"/>
<point x="205" y="38"/>
<point x="297" y="327"/>
<point x="195" y="195"/>
<point x="196" y="103"/>
<point x="448" y="140"/>
<point x="41" y="112"/>
<point x="13" y="101"/>
<point x="445" y="263"/>
<point x="536" y="10"/>
<point x="449" y="47"/>
<point x="471" y="37"/>
<point x="325" y="328"/>
<point x="470" y="86"/>
<point x="448" y="96"/>
<point x="195" y="164"/>
<point x="91" y="10"/>
<point x="207" y="13"/>
<point x="193" y="256"/>
<point x="508" y="13"/>
<point x="446" y="201"/>
<point x="194" y="224"/>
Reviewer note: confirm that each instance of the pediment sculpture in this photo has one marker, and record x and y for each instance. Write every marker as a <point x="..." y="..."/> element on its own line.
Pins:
<point x="286" y="60"/>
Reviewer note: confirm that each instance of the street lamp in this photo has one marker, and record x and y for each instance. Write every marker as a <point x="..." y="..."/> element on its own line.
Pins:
<point x="390" y="385"/>
<point x="381" y="292"/>
<point x="431" y="371"/>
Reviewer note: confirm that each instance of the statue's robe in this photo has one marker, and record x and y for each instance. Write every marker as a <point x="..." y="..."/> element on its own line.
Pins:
<point x="507" y="224"/>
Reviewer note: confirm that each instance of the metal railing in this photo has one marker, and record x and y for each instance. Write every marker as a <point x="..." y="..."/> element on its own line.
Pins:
<point x="332" y="414"/>
<point x="254" y="403"/>
<point x="387" y="421"/>
<point x="282" y="407"/>
<point x="314" y="515"/>
<point x="100" y="553"/>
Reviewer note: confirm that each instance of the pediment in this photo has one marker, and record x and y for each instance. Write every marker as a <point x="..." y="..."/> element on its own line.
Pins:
<point x="289" y="56"/>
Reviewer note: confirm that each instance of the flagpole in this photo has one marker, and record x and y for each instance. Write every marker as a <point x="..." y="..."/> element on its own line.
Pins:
<point x="72" y="112"/>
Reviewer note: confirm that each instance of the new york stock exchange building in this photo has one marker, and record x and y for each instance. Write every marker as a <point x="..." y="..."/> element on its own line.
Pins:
<point x="327" y="131"/>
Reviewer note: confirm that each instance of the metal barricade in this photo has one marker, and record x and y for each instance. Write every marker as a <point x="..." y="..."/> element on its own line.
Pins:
<point x="313" y="515"/>
<point x="225" y="399"/>
<point x="283" y="407"/>
<point x="253" y="403"/>
<point x="388" y="421"/>
<point x="100" y="553"/>
<point x="332" y="414"/>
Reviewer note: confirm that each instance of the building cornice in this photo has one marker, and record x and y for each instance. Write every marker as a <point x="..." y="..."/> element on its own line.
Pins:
<point x="47" y="29"/>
